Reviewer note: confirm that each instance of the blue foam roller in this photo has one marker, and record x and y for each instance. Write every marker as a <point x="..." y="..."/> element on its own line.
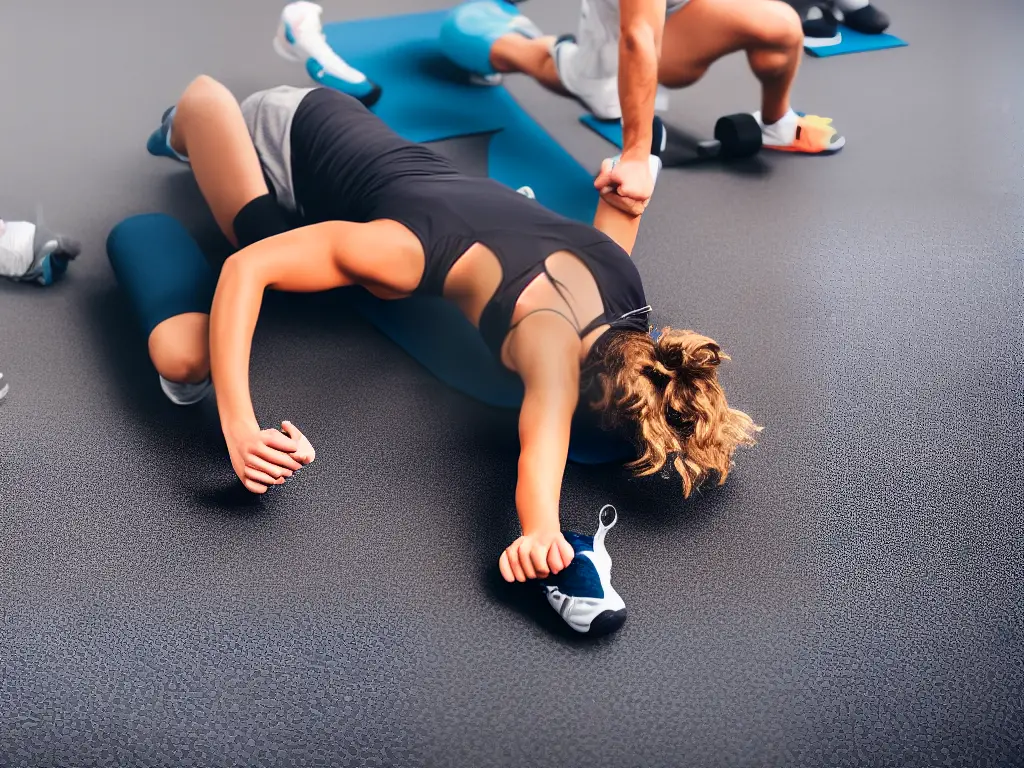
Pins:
<point x="439" y="337"/>
<point x="161" y="268"/>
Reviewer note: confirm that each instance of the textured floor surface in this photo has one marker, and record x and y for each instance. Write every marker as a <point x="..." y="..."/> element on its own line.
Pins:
<point x="852" y="597"/>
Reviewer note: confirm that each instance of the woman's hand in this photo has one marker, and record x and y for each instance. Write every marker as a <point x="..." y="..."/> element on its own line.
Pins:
<point x="536" y="556"/>
<point x="265" y="457"/>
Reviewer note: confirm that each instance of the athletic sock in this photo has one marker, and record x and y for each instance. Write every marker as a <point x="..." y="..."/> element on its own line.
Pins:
<point x="159" y="142"/>
<point x="259" y="219"/>
<point x="183" y="393"/>
<point x="17" y="247"/>
<point x="782" y="132"/>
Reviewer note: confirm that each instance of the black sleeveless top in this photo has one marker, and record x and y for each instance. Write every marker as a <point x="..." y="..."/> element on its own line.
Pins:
<point x="348" y="165"/>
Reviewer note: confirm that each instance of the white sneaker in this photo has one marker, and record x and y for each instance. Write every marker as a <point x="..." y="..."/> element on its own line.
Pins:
<point x="300" y="37"/>
<point x="582" y="594"/>
<point x="32" y="254"/>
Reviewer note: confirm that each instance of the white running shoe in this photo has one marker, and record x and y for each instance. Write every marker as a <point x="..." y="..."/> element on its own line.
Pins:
<point x="31" y="253"/>
<point x="300" y="37"/>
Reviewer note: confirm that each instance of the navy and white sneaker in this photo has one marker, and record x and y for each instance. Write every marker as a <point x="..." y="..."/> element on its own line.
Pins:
<point x="582" y="594"/>
<point x="30" y="253"/>
<point x="862" y="17"/>
<point x="818" y="19"/>
<point x="300" y="38"/>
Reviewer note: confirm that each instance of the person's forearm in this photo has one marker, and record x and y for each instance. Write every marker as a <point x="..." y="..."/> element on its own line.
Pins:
<point x="544" y="451"/>
<point x="620" y="226"/>
<point x="641" y="25"/>
<point x="233" y="316"/>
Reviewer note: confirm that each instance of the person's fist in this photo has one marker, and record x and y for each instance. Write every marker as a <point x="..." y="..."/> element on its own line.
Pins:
<point x="536" y="556"/>
<point x="627" y="184"/>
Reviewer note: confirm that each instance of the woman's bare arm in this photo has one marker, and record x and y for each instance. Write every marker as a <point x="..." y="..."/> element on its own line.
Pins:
<point x="381" y="255"/>
<point x="620" y="226"/>
<point x="545" y="353"/>
<point x="300" y="260"/>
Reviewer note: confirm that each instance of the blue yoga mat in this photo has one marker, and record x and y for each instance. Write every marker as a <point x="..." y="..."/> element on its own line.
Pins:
<point x="610" y="130"/>
<point x="427" y="98"/>
<point x="856" y="42"/>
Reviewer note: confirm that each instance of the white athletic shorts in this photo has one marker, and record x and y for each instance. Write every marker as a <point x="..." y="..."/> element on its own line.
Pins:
<point x="590" y="69"/>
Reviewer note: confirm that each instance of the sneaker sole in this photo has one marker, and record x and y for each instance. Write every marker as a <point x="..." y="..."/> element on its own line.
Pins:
<point x="831" y="150"/>
<point x="823" y="42"/>
<point x="607" y="622"/>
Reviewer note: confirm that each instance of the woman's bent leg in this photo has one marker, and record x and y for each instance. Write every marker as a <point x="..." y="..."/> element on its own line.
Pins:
<point x="210" y="130"/>
<point x="180" y="350"/>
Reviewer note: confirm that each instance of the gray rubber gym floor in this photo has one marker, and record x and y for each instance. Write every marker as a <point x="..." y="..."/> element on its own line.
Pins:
<point x="852" y="597"/>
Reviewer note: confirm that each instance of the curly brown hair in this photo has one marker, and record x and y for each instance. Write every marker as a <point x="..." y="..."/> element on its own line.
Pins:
<point x="668" y="392"/>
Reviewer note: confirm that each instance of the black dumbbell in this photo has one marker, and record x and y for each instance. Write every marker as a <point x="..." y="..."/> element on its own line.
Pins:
<point x="736" y="136"/>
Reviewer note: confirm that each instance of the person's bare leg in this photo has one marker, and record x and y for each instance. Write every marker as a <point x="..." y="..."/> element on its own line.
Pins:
<point x="704" y="31"/>
<point x="776" y="60"/>
<point x="180" y="349"/>
<point x="209" y="129"/>
<point x="515" y="53"/>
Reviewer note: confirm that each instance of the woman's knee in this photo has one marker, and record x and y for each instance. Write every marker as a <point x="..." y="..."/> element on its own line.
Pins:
<point x="179" y="348"/>
<point x="202" y="94"/>
<point x="204" y="85"/>
<point x="777" y="25"/>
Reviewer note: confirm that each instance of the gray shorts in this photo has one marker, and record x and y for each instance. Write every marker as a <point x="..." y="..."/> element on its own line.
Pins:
<point x="268" y="115"/>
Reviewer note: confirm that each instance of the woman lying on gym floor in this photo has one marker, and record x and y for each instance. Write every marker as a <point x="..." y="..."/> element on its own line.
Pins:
<point x="559" y="302"/>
